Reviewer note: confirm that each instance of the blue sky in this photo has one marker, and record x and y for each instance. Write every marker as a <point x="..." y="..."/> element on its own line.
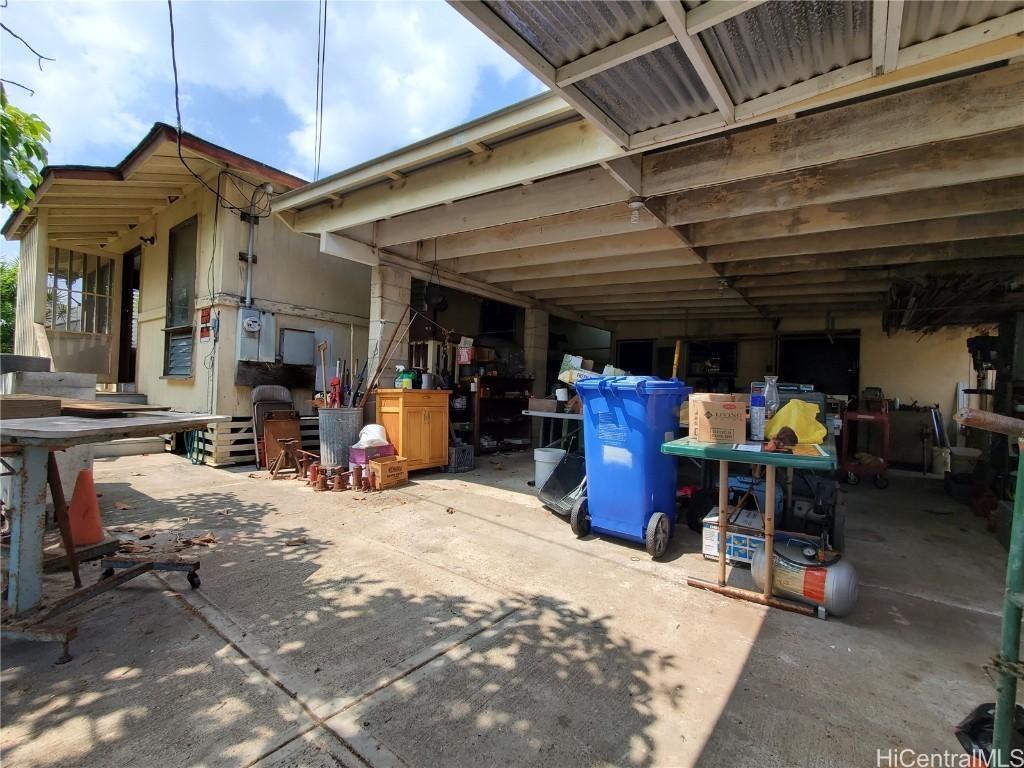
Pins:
<point x="396" y="72"/>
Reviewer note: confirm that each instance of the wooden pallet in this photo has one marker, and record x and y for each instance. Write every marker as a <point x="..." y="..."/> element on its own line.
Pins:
<point x="231" y="443"/>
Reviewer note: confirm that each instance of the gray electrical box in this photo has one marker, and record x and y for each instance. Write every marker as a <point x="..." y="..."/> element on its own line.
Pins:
<point x="298" y="347"/>
<point x="257" y="336"/>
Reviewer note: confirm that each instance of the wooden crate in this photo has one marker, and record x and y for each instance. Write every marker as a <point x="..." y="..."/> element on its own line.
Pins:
<point x="230" y="442"/>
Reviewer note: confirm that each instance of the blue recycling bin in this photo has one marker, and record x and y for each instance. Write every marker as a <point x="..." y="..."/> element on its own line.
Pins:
<point x="631" y="484"/>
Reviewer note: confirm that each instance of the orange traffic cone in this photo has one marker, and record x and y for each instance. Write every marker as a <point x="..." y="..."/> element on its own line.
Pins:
<point x="84" y="512"/>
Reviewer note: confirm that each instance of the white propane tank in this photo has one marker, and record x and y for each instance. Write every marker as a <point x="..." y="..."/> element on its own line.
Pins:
<point x="833" y="586"/>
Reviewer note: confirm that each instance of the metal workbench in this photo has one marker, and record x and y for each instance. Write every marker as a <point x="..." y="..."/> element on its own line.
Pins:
<point x="551" y="417"/>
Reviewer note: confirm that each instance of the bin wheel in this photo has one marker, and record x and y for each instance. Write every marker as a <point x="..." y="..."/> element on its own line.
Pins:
<point x="699" y="506"/>
<point x="193" y="579"/>
<point x="881" y="482"/>
<point x="852" y="478"/>
<point x="579" y="518"/>
<point x="658" y="533"/>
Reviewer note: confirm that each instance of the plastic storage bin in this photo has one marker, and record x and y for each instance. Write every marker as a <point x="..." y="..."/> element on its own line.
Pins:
<point x="631" y="484"/>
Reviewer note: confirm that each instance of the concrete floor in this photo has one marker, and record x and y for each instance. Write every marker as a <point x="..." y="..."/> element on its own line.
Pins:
<point x="457" y="622"/>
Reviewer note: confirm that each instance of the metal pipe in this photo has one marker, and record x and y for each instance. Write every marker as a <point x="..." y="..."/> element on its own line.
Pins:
<point x="752" y="597"/>
<point x="1009" y="652"/>
<point x="248" y="257"/>
<point x="990" y="422"/>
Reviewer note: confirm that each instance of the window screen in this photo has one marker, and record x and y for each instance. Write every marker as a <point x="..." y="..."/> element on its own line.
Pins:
<point x="79" y="287"/>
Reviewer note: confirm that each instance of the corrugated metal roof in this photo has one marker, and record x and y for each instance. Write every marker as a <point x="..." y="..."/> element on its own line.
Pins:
<point x="564" y="31"/>
<point x="778" y="44"/>
<point x="927" y="19"/>
<point x="652" y="90"/>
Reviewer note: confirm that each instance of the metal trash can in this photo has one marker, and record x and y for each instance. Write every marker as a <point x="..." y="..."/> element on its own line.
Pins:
<point x="631" y="484"/>
<point x="339" y="429"/>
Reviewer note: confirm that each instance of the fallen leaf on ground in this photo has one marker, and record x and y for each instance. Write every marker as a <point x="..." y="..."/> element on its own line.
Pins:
<point x="121" y="529"/>
<point x="223" y="511"/>
<point x="146" y="535"/>
<point x="134" y="549"/>
<point x="207" y="538"/>
<point x="121" y="505"/>
<point x="137" y="474"/>
<point x="450" y="510"/>
<point x="296" y="542"/>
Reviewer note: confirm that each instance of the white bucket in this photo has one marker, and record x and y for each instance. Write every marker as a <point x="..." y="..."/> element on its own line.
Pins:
<point x="940" y="460"/>
<point x="544" y="462"/>
<point x="962" y="460"/>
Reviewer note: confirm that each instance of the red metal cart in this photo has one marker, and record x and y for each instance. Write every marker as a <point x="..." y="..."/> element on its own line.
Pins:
<point x="854" y="469"/>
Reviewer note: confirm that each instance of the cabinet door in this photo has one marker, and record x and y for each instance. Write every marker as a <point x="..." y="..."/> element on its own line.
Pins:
<point x="414" y="435"/>
<point x="437" y="435"/>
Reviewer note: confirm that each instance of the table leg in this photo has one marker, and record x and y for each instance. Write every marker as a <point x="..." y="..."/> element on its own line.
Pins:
<point x="769" y="529"/>
<point x="565" y="428"/>
<point x="28" y="523"/>
<point x="723" y="518"/>
<point x="60" y="512"/>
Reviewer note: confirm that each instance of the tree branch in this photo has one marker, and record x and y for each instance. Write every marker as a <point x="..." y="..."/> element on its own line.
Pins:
<point x="39" y="57"/>
<point x="12" y="82"/>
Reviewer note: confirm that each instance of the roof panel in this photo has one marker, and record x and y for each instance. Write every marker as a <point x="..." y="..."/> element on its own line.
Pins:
<point x="656" y="89"/>
<point x="564" y="31"/>
<point x="779" y="44"/>
<point x="927" y="19"/>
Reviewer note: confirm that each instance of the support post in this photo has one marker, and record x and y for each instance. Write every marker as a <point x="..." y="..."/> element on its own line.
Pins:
<point x="390" y="293"/>
<point x="28" y="521"/>
<point x="769" y="530"/>
<point x="723" y="519"/>
<point x="1009" y="652"/>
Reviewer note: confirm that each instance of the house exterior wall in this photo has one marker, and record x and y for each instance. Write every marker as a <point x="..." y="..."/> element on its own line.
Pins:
<point x="305" y="289"/>
<point x="910" y="366"/>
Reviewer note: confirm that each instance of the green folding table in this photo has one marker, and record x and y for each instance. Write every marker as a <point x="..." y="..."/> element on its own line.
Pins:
<point x="747" y="453"/>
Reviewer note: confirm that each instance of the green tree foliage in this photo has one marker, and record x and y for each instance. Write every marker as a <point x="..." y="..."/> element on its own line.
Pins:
<point x="23" y="154"/>
<point x="8" y="301"/>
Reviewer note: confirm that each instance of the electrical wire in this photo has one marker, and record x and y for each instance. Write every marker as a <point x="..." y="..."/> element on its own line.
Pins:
<point x="264" y="210"/>
<point x="321" y="61"/>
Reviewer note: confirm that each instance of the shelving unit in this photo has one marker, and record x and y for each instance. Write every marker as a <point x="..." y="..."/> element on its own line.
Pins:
<point x="497" y="406"/>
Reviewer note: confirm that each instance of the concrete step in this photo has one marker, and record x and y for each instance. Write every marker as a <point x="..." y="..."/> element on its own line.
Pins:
<point x="123" y="397"/>
<point x="129" y="446"/>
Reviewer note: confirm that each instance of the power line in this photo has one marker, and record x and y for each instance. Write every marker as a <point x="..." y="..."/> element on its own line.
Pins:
<point x="321" y="61"/>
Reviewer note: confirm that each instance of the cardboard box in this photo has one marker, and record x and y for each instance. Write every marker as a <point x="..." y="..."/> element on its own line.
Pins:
<point x="543" y="404"/>
<point x="390" y="471"/>
<point x="739" y="546"/>
<point x="717" y="418"/>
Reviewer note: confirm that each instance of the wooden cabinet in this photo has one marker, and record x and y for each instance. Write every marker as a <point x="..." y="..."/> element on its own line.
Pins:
<point x="416" y="421"/>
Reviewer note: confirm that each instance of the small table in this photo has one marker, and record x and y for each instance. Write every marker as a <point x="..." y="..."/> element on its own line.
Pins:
<point x="724" y="453"/>
<point x="552" y="417"/>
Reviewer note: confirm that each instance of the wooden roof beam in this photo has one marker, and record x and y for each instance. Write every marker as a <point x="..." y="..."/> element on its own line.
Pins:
<point x="675" y="15"/>
<point x="988" y="100"/>
<point x="983" y="225"/>
<point x="963" y="161"/>
<point x="944" y="202"/>
<point x="492" y="25"/>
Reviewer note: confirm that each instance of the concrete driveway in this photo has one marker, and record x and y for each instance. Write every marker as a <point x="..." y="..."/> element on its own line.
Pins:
<point x="457" y="622"/>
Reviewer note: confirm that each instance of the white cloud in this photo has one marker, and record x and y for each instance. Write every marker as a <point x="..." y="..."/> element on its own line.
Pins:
<point x="396" y="72"/>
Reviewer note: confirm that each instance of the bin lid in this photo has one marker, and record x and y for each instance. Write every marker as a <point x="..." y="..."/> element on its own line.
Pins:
<point x="649" y="385"/>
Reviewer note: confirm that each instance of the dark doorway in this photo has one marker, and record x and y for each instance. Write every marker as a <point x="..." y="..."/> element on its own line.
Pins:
<point x="131" y="267"/>
<point x="636" y="357"/>
<point x="831" y="362"/>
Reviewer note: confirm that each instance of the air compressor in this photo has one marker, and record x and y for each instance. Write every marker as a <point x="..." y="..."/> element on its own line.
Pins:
<point x="799" y="574"/>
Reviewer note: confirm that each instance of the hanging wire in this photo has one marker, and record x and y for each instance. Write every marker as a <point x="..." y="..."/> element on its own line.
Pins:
<point x="263" y="210"/>
<point x="321" y="61"/>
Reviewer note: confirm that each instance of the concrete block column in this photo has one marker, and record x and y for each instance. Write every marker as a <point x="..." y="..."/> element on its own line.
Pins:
<point x="535" y="348"/>
<point x="390" y="291"/>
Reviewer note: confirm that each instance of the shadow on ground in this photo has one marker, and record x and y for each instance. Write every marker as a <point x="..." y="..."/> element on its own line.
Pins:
<point x="435" y="676"/>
